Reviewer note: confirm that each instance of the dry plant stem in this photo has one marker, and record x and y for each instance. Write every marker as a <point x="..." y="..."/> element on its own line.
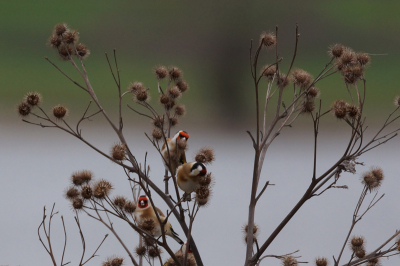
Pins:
<point x="65" y="241"/>
<point x="47" y="234"/>
<point x="135" y="167"/>
<point x="277" y="256"/>
<point x="189" y="236"/>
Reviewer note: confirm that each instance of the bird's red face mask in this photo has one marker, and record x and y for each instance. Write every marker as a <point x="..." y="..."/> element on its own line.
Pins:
<point x="143" y="202"/>
<point x="183" y="135"/>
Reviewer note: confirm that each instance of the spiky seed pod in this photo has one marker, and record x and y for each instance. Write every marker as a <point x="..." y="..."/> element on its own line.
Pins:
<point x="140" y="251"/>
<point x="55" y="41"/>
<point x="336" y="50"/>
<point x="174" y="73"/>
<point x="378" y="173"/>
<point x="321" y="262"/>
<point x="352" y="73"/>
<point x="180" y="110"/>
<point x="81" y="177"/>
<point x="312" y="92"/>
<point x="373" y="262"/>
<point x="157" y="133"/>
<point x="205" y="180"/>
<point x="147" y="225"/>
<point x="154" y="252"/>
<point x="136" y="86"/>
<point x="373" y="179"/>
<point x="86" y="192"/>
<point x="174" y="92"/>
<point x="301" y="78"/>
<point x="71" y="193"/>
<point x="254" y="239"/>
<point x="357" y="242"/>
<point x="65" y="52"/>
<point x="113" y="261"/>
<point x="307" y="107"/>
<point x="245" y="228"/>
<point x="282" y="80"/>
<point x="205" y="155"/>
<point x="70" y="37"/>
<point x="33" y="98"/>
<point x="60" y="29"/>
<point x="119" y="202"/>
<point x="363" y="58"/>
<point x="82" y="51"/>
<point x="60" y="111"/>
<point x="182" y="144"/>
<point x="360" y="253"/>
<point x="102" y="189"/>
<point x="24" y="109"/>
<point x="397" y="101"/>
<point x="353" y="111"/>
<point x="118" y="152"/>
<point x="339" y="109"/>
<point x="158" y="122"/>
<point x="160" y="72"/>
<point x="164" y="99"/>
<point x="348" y="57"/>
<point x="182" y="85"/>
<point x="203" y="195"/>
<point x="289" y="261"/>
<point x="142" y="95"/>
<point x="130" y="207"/>
<point x="173" y="120"/>
<point x="170" y="104"/>
<point x="268" y="40"/>
<point x="269" y="71"/>
<point x="77" y="203"/>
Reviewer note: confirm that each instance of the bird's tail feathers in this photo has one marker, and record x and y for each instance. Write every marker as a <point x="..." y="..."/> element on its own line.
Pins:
<point x="176" y="236"/>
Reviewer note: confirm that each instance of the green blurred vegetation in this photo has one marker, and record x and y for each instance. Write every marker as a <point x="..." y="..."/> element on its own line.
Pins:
<point x="208" y="40"/>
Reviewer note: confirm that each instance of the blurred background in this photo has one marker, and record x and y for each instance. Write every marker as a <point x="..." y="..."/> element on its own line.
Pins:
<point x="210" y="42"/>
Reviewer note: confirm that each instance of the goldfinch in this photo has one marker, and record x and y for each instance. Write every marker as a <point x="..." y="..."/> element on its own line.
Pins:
<point x="188" y="176"/>
<point x="145" y="211"/>
<point x="178" y="156"/>
<point x="180" y="255"/>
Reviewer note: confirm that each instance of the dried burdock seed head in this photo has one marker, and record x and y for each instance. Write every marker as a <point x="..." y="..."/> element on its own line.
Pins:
<point x="321" y="262"/>
<point x="24" y="109"/>
<point x="81" y="177"/>
<point x="289" y="261"/>
<point x="102" y="189"/>
<point x="282" y="80"/>
<point x="77" y="203"/>
<point x="33" y="98"/>
<point x="268" y="40"/>
<point x="70" y="37"/>
<point x="339" y="109"/>
<point x="205" y="180"/>
<point x="353" y="111"/>
<point x="119" y="202"/>
<point x="360" y="253"/>
<point x="136" y="86"/>
<point x="180" y="110"/>
<point x="82" y="51"/>
<point x="203" y="195"/>
<point x="301" y="78"/>
<point x="140" y="251"/>
<point x="161" y="72"/>
<point x="182" y="85"/>
<point x="118" y="152"/>
<point x="357" y="242"/>
<point x="157" y="133"/>
<point x="55" y="41"/>
<point x="113" y="261"/>
<point x="86" y="192"/>
<point x="245" y="228"/>
<point x="65" y="52"/>
<point x="60" y="29"/>
<point x="205" y="155"/>
<point x="336" y="50"/>
<point x="352" y="73"/>
<point x="158" y="122"/>
<point x="363" y="59"/>
<point x="60" y="111"/>
<point x="397" y="101"/>
<point x="71" y="193"/>
<point x="373" y="179"/>
<point x="154" y="252"/>
<point x="164" y="99"/>
<point x="373" y="262"/>
<point x="174" y="73"/>
<point x="348" y="57"/>
<point x="307" y="107"/>
<point x="268" y="71"/>
<point x="142" y="95"/>
<point x="174" y="92"/>
<point x="173" y="120"/>
<point x="147" y="225"/>
<point x="130" y="207"/>
<point x="313" y="92"/>
<point x="254" y="239"/>
<point x="170" y="103"/>
<point x="182" y="144"/>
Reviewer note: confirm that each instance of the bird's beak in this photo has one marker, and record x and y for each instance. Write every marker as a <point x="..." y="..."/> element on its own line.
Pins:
<point x="141" y="203"/>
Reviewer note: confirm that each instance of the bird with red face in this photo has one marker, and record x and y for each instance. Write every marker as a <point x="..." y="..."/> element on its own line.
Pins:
<point x="177" y="154"/>
<point x="188" y="176"/>
<point x="145" y="211"/>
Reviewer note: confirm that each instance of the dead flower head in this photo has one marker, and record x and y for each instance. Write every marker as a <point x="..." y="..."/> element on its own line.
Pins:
<point x="118" y="152"/>
<point x="60" y="112"/>
<point x="102" y="189"/>
<point x="24" y="109"/>
<point x="268" y="40"/>
<point x="205" y="155"/>
<point x="33" y="98"/>
<point x="81" y="177"/>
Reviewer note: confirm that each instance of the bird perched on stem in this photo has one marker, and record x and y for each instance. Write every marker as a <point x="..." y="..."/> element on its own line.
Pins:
<point x="176" y="148"/>
<point x="146" y="218"/>
<point x="188" y="176"/>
